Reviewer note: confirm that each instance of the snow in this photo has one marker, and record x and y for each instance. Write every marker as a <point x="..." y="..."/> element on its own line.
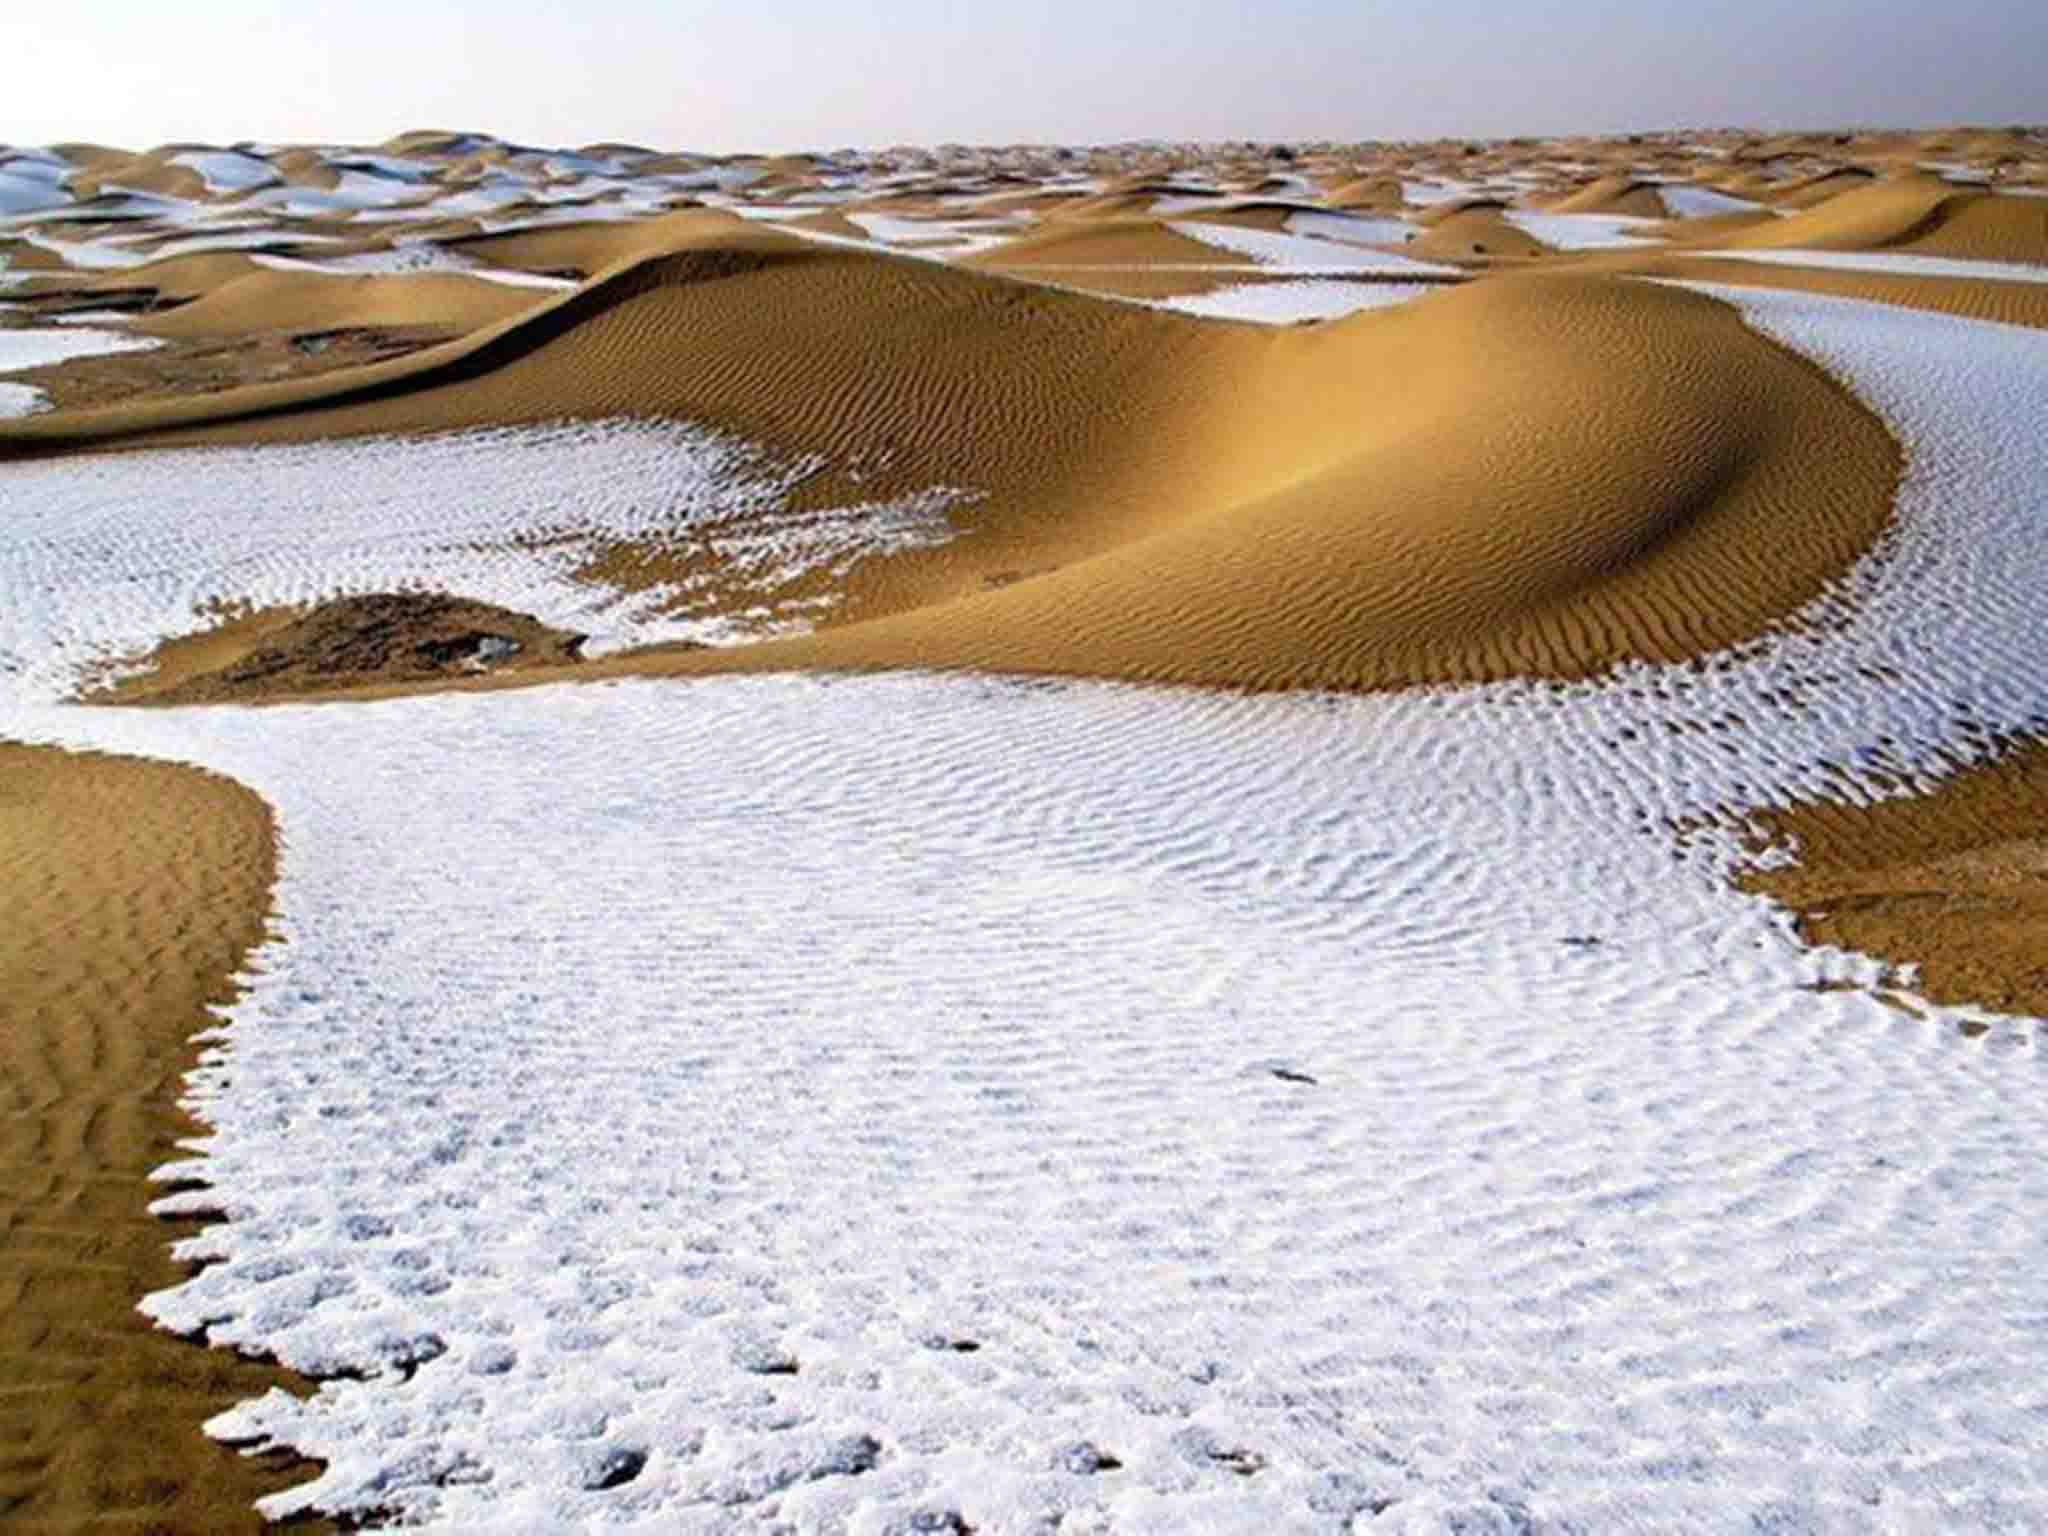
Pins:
<point x="42" y="348"/>
<point x="21" y="399"/>
<point x="1683" y="201"/>
<point x="1583" y="231"/>
<point x="29" y="186"/>
<point x="1897" y="263"/>
<point x="1428" y="193"/>
<point x="407" y="258"/>
<point x="1303" y="253"/>
<point x="354" y="191"/>
<point x="259" y="238"/>
<point x="1287" y="303"/>
<point x="87" y="255"/>
<point x="229" y="171"/>
<point x="1350" y="228"/>
<point x="1341" y="1114"/>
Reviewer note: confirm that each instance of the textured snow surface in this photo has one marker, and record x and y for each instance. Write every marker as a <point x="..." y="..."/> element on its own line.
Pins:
<point x="29" y="186"/>
<point x="1287" y="303"/>
<point x="37" y="348"/>
<point x="1902" y="263"/>
<point x="108" y="555"/>
<point x="901" y="1103"/>
<point x="1682" y="201"/>
<point x="1583" y="231"/>
<point x="21" y="399"/>
<point x="1350" y="228"/>
<point x="408" y="257"/>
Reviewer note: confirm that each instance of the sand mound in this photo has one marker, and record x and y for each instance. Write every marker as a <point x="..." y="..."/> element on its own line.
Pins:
<point x="584" y="249"/>
<point x="133" y="892"/>
<point x="306" y="168"/>
<point x="1614" y="195"/>
<point x="1922" y="214"/>
<point x="2006" y="303"/>
<point x="1378" y="194"/>
<point x="1812" y="191"/>
<point x="397" y="637"/>
<point x="1532" y="475"/>
<point x="301" y="302"/>
<point x="175" y="279"/>
<point x="1476" y="232"/>
<point x="1269" y="216"/>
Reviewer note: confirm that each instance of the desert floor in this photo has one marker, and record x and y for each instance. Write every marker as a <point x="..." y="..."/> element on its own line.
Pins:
<point x="1319" y="837"/>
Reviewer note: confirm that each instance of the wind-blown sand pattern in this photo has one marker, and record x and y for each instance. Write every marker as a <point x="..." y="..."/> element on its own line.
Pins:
<point x="123" y="879"/>
<point x="954" y="1085"/>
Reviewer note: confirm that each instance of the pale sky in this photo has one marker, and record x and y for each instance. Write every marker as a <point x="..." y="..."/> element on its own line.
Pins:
<point x="820" y="74"/>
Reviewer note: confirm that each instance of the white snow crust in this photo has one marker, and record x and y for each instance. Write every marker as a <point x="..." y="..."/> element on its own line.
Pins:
<point x="109" y="555"/>
<point x="1684" y="201"/>
<point x="902" y="1103"/>
<point x="1583" y="231"/>
<point x="39" y="348"/>
<point x="1302" y="253"/>
<point x="1287" y="303"/>
<point x="1901" y="263"/>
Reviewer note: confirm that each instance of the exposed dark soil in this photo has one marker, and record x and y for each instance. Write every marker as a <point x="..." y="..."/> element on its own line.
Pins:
<point x="214" y="364"/>
<point x="389" y="637"/>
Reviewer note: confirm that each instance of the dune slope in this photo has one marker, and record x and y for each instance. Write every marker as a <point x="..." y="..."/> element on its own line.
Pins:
<point x="134" y="891"/>
<point x="1536" y="475"/>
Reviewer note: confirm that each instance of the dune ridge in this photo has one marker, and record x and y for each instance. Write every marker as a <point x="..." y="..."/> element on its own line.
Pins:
<point x="1544" y="475"/>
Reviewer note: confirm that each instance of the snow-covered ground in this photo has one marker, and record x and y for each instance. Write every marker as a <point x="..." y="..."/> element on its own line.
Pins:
<point x="104" y="556"/>
<point x="1312" y="252"/>
<point x="1684" y="201"/>
<point x="1898" y="263"/>
<point x="39" y="347"/>
<point x="21" y="399"/>
<point x="909" y="1103"/>
<point x="1276" y="303"/>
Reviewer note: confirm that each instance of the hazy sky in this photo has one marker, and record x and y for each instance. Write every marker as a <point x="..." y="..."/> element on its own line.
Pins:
<point x="818" y="74"/>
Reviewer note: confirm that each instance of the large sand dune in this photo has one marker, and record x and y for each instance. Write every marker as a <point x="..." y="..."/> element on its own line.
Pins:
<point x="1543" y="476"/>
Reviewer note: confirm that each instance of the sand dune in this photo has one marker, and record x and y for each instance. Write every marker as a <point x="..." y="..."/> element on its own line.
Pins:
<point x="1546" y="475"/>
<point x="133" y="891"/>
<point x="1614" y="195"/>
<point x="1471" y="232"/>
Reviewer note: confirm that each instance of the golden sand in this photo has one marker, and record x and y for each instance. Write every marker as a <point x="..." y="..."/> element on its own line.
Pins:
<point x="133" y="892"/>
